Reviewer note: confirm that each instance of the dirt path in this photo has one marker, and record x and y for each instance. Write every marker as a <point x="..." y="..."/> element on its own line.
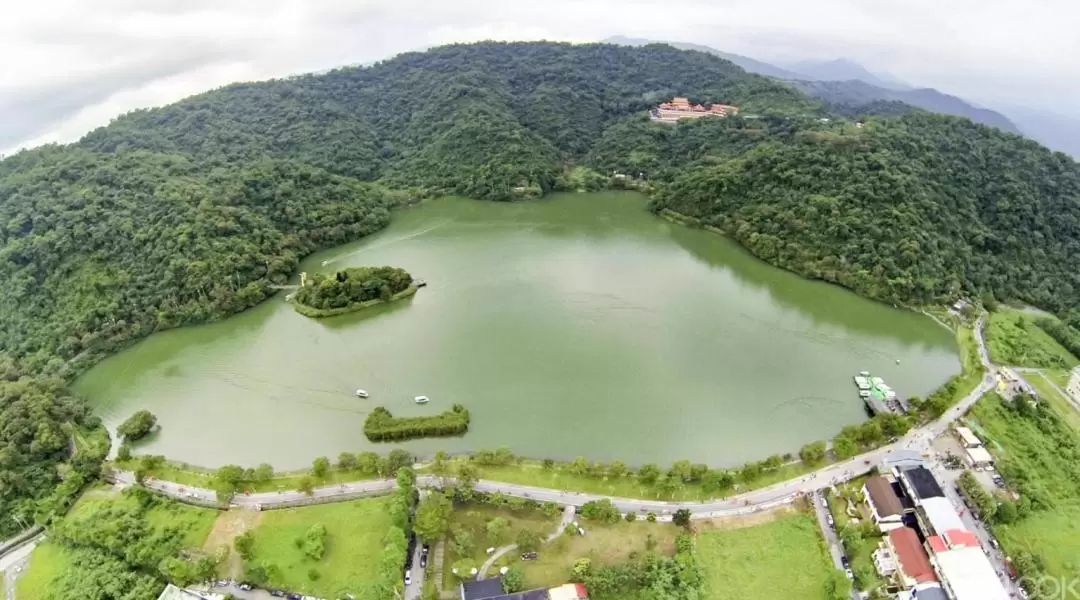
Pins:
<point x="228" y="525"/>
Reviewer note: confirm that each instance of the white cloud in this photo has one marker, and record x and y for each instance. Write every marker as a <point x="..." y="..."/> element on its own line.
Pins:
<point x="94" y="59"/>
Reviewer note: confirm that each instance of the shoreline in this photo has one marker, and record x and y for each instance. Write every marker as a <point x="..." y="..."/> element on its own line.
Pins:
<point x="322" y="313"/>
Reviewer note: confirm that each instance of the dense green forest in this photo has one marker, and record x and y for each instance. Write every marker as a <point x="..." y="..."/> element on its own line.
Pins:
<point x="194" y="211"/>
<point x="350" y="287"/>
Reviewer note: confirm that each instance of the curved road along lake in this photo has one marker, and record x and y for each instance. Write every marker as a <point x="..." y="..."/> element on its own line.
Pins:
<point x="575" y="325"/>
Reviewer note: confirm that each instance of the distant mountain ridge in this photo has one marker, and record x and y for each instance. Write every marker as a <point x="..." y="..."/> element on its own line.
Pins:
<point x="844" y="83"/>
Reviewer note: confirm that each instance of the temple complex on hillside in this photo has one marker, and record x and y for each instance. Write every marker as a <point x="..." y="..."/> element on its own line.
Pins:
<point x="680" y="108"/>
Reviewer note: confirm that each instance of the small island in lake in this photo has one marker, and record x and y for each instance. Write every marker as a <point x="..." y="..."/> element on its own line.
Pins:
<point x="326" y="295"/>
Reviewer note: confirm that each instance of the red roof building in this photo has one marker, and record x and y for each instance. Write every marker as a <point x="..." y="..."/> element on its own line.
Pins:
<point x="911" y="557"/>
<point x="960" y="538"/>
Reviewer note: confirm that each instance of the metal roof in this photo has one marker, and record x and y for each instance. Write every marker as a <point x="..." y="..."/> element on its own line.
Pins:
<point x="941" y="515"/>
<point x="970" y="576"/>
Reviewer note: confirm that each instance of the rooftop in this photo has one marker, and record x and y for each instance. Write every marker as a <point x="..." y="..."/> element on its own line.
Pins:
<point x="980" y="455"/>
<point x="482" y="589"/>
<point x="942" y="515"/>
<point x="958" y="538"/>
<point x="970" y="576"/>
<point x="881" y="495"/>
<point x="569" y="591"/>
<point x="968" y="437"/>
<point x="929" y="592"/>
<point x="171" y="592"/>
<point x="914" y="561"/>
<point x="922" y="484"/>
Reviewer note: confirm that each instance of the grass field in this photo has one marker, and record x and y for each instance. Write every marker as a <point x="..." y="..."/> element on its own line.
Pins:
<point x="196" y="522"/>
<point x="1048" y="393"/>
<point x="783" y="558"/>
<point x="46" y="563"/>
<point x="603" y="544"/>
<point x="355" y="532"/>
<point x="474" y="520"/>
<point x="1013" y="338"/>
<point x="1038" y="456"/>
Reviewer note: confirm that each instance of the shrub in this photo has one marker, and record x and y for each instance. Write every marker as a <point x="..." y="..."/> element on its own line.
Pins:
<point x="382" y="426"/>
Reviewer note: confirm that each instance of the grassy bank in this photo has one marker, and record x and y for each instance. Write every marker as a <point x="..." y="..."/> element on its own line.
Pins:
<point x="186" y="474"/>
<point x="322" y="313"/>
<point x="1039" y="455"/>
<point x="1041" y="381"/>
<point x="47" y="562"/>
<point x="1013" y="338"/>
<point x="783" y="558"/>
<point x="354" y="541"/>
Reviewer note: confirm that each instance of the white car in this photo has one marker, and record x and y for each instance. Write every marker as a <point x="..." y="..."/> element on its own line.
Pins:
<point x="408" y="577"/>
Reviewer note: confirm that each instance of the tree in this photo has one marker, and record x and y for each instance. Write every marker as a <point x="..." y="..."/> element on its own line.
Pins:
<point x="844" y="447"/>
<point x="467" y="475"/>
<point x="681" y="470"/>
<point x="617" y="470"/>
<point x="397" y="459"/>
<point x="681" y="518"/>
<point x="1006" y="513"/>
<point x="306" y="485"/>
<point x="581" y="570"/>
<point x="368" y="463"/>
<point x="698" y="471"/>
<point x="124" y="453"/>
<point x="320" y="467"/>
<point x="716" y="481"/>
<point x="346" y="461"/>
<point x="813" y="453"/>
<point x="528" y="541"/>
<point x="579" y="466"/>
<point x="497" y="528"/>
<point x="601" y="510"/>
<point x="440" y="466"/>
<point x="432" y="517"/>
<point x="244" y="544"/>
<point x="461" y="541"/>
<point x="513" y="580"/>
<point x="631" y="517"/>
<point x="648" y="473"/>
<point x="263" y="473"/>
<point x="137" y="426"/>
<point x="313" y="544"/>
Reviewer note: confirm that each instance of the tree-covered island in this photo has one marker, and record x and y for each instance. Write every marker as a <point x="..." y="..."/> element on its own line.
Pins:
<point x="326" y="295"/>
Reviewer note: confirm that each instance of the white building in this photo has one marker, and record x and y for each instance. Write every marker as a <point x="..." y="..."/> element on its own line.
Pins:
<point x="967" y="574"/>
<point x="968" y="437"/>
<point x="979" y="458"/>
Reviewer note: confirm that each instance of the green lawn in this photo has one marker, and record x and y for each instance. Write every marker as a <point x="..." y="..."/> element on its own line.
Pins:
<point x="196" y="522"/>
<point x="354" y="543"/>
<point x="1047" y="392"/>
<point x="1013" y="338"/>
<point x="603" y="544"/>
<point x="1037" y="455"/>
<point x="47" y="562"/>
<point x="532" y="473"/>
<point x="474" y="519"/>
<point x="782" y="559"/>
<point x="204" y="478"/>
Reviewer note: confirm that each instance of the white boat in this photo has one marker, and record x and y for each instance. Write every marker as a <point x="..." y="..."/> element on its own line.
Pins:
<point x="361" y="393"/>
<point x="864" y="373"/>
<point x="421" y="399"/>
<point x="864" y="394"/>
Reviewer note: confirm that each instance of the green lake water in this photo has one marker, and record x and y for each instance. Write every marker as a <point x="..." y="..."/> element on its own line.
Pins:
<point x="575" y="325"/>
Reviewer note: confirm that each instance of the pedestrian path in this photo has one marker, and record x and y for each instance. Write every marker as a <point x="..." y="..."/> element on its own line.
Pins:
<point x="567" y="518"/>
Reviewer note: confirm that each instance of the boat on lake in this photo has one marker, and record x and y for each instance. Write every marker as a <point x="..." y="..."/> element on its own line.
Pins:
<point x="361" y="393"/>
<point x="421" y="399"/>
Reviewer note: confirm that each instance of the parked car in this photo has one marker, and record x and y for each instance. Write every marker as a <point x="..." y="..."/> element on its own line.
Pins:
<point x="246" y="587"/>
<point x="581" y="531"/>
<point x="528" y="556"/>
<point x="424" y="549"/>
<point x="423" y="561"/>
<point x="408" y="577"/>
<point x="844" y="561"/>
<point x="277" y="593"/>
<point x="850" y="574"/>
<point x="832" y="523"/>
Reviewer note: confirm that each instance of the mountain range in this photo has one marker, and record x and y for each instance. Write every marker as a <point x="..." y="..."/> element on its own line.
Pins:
<point x="843" y="83"/>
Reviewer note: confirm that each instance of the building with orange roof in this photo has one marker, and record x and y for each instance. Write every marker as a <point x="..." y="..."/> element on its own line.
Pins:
<point x="680" y="108"/>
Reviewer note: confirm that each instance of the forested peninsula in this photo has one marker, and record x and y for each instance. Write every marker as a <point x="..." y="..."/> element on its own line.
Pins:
<point x="351" y="289"/>
<point x="197" y="210"/>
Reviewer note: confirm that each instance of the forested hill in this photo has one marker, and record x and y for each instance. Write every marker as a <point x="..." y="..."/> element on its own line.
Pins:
<point x="194" y="211"/>
<point x="918" y="209"/>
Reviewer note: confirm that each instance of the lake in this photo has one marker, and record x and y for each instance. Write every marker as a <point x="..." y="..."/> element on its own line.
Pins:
<point x="580" y="324"/>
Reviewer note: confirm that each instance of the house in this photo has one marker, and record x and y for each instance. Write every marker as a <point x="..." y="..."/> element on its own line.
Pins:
<point x="887" y="508"/>
<point x="979" y="458"/>
<point x="968" y="438"/>
<point x="901" y="460"/>
<point x="919" y="484"/>
<point x="937" y="516"/>
<point x="967" y="574"/>
<point x="492" y="589"/>
<point x="911" y="560"/>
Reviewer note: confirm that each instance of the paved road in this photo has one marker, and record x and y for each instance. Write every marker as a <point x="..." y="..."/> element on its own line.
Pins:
<point x="832" y="541"/>
<point x="13" y="565"/>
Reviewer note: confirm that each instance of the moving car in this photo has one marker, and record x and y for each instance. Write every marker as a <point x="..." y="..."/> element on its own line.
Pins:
<point x="408" y="577"/>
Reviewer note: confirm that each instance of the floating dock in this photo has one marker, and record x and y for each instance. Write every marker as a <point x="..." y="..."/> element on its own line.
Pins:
<point x="878" y="396"/>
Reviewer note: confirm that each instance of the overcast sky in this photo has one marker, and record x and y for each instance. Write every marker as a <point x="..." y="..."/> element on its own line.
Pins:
<point x="72" y="65"/>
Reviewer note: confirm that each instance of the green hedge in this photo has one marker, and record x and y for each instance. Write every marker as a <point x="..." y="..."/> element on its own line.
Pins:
<point x="382" y="426"/>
